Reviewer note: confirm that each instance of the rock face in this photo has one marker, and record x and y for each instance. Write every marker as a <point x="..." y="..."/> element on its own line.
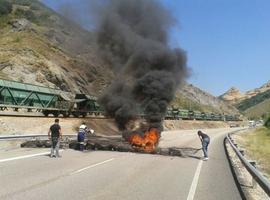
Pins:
<point x="20" y="24"/>
<point x="259" y="90"/>
<point x="234" y="96"/>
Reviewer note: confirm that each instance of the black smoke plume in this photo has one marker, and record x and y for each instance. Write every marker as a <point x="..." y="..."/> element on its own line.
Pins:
<point x="132" y="36"/>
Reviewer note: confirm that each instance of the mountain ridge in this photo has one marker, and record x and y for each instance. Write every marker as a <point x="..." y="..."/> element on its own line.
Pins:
<point x="254" y="103"/>
<point x="234" y="96"/>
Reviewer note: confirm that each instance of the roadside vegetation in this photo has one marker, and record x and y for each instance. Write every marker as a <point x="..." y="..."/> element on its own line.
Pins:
<point x="5" y="8"/>
<point x="267" y="123"/>
<point x="257" y="145"/>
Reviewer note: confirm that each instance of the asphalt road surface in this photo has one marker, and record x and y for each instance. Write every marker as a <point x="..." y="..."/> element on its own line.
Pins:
<point x="104" y="175"/>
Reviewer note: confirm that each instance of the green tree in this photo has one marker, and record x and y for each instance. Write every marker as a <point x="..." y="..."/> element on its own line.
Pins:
<point x="267" y="123"/>
<point x="28" y="14"/>
<point x="5" y="7"/>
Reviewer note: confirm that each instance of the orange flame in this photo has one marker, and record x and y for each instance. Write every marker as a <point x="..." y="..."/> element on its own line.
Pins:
<point x="147" y="143"/>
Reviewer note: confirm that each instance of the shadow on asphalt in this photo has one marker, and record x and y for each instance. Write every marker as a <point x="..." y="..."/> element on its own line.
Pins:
<point x="185" y="152"/>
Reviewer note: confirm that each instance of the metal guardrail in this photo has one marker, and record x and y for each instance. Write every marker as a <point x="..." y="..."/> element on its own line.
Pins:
<point x="257" y="176"/>
<point x="9" y="137"/>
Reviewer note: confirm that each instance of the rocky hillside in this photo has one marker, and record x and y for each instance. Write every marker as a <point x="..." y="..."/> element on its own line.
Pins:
<point x="259" y="90"/>
<point x="39" y="46"/>
<point x="256" y="106"/>
<point x="191" y="97"/>
<point x="254" y="100"/>
<point x="234" y="96"/>
<point x="254" y="103"/>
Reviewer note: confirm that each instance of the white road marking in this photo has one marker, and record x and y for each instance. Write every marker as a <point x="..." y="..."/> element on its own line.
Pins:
<point x="195" y="180"/>
<point x="91" y="166"/>
<point x="26" y="156"/>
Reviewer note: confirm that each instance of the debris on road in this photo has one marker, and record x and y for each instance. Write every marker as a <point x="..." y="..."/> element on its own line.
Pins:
<point x="102" y="143"/>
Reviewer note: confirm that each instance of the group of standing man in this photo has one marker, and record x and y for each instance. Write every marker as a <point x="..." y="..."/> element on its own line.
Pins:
<point x="55" y="135"/>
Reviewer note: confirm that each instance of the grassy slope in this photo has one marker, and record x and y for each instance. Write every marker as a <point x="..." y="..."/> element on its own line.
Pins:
<point x="257" y="144"/>
<point x="258" y="110"/>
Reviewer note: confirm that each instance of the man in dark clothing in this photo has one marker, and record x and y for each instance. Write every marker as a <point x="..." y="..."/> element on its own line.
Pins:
<point x="205" y="139"/>
<point x="55" y="134"/>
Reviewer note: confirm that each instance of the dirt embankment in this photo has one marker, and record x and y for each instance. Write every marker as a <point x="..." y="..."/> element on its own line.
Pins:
<point x="37" y="125"/>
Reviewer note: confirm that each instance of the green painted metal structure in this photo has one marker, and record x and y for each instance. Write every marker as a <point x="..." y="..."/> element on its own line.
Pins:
<point x="28" y="95"/>
<point x="86" y="103"/>
<point x="176" y="113"/>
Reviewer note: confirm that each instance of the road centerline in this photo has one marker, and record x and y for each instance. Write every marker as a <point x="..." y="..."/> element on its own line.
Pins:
<point x="195" y="181"/>
<point x="92" y="166"/>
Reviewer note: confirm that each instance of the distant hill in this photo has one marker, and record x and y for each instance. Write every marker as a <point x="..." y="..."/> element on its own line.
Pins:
<point x="253" y="103"/>
<point x="39" y="46"/>
<point x="256" y="106"/>
<point x="234" y="96"/>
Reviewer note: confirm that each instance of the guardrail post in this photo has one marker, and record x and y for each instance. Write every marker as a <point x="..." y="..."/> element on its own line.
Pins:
<point x="253" y="163"/>
<point x="242" y="152"/>
<point x="254" y="182"/>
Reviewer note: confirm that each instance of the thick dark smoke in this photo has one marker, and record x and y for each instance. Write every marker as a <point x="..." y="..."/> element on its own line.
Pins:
<point x="132" y="36"/>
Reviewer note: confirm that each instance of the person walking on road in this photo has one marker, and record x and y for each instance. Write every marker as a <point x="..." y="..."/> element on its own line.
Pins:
<point x="55" y="134"/>
<point x="205" y="139"/>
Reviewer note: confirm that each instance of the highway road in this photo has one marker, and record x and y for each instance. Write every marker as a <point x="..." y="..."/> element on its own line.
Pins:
<point x="104" y="175"/>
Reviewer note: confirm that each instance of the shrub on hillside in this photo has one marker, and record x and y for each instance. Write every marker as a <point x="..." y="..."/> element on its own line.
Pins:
<point x="28" y="14"/>
<point x="267" y="123"/>
<point x="5" y="7"/>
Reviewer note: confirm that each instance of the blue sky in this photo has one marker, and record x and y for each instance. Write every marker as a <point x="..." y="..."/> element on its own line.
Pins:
<point x="227" y="41"/>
